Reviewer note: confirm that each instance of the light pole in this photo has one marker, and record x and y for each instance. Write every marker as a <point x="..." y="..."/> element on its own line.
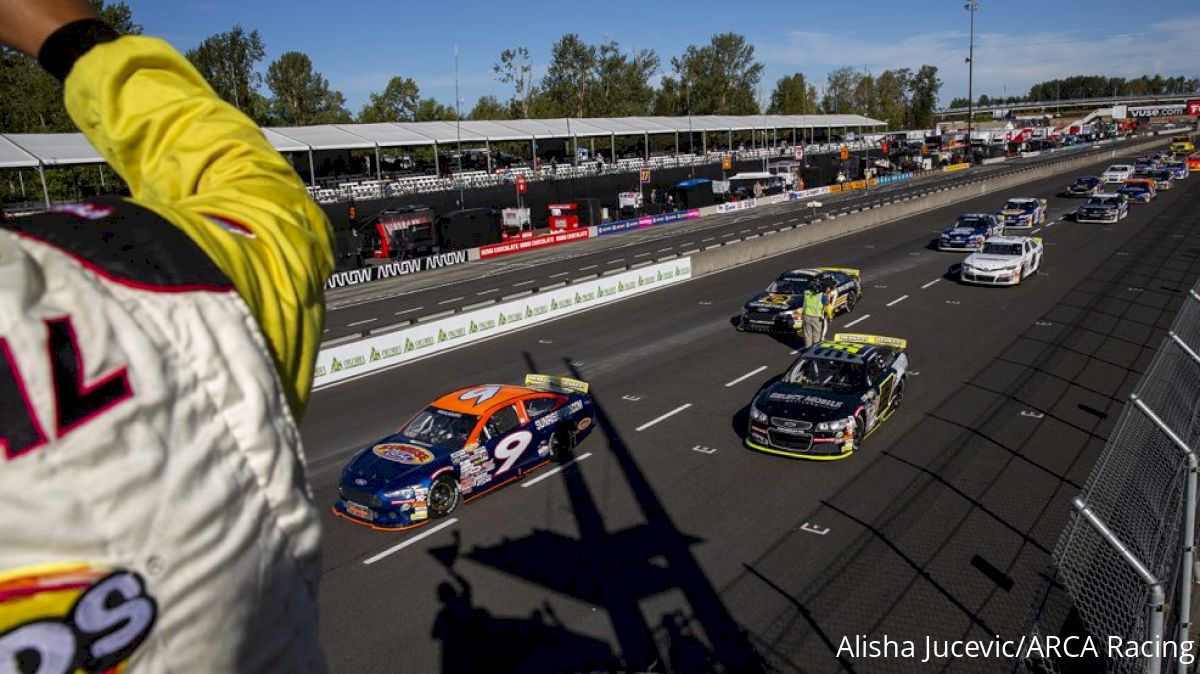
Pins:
<point x="458" y="127"/>
<point x="971" y="6"/>
<point x="687" y="92"/>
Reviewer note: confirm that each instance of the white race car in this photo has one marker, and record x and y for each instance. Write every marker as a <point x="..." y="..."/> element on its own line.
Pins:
<point x="1003" y="261"/>
<point x="1104" y="207"/>
<point x="1117" y="174"/>
<point x="1023" y="212"/>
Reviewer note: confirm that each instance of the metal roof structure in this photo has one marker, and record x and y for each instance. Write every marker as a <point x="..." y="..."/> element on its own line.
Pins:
<point x="61" y="149"/>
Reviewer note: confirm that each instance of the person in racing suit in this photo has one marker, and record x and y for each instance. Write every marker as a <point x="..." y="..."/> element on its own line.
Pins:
<point x="155" y="353"/>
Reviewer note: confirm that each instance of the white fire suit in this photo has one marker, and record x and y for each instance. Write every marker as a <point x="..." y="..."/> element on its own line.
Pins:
<point x="155" y="353"/>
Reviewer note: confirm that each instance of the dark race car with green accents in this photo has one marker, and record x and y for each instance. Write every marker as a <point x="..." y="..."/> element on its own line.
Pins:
<point x="780" y="308"/>
<point x="831" y="399"/>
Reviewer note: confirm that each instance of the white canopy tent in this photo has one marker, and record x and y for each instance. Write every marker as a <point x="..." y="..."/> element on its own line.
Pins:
<point x="67" y="149"/>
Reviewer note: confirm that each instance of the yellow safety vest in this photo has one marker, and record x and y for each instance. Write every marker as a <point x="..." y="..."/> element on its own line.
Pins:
<point x="812" y="304"/>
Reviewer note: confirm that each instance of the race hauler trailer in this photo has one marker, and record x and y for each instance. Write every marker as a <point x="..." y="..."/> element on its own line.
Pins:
<point x="469" y="228"/>
<point x="400" y="233"/>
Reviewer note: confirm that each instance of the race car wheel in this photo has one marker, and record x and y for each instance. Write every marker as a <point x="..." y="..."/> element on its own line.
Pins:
<point x="851" y="300"/>
<point x="444" y="497"/>
<point x="860" y="428"/>
<point x="562" y="444"/>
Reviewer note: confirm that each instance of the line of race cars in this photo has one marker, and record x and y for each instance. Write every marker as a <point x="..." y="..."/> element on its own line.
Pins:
<point x="835" y="394"/>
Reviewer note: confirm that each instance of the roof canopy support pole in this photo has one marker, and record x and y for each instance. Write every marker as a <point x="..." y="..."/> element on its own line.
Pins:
<point x="21" y="177"/>
<point x="102" y="185"/>
<point x="312" y="172"/>
<point x="730" y="146"/>
<point x="647" y="145"/>
<point x="612" y="138"/>
<point x="793" y="136"/>
<point x="676" y="142"/>
<point x="378" y="165"/>
<point x="533" y="153"/>
<point x="704" y="143"/>
<point x="45" y="190"/>
<point x="437" y="164"/>
<point x="487" y="144"/>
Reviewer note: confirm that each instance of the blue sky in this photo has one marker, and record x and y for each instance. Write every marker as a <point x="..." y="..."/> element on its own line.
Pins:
<point x="359" y="44"/>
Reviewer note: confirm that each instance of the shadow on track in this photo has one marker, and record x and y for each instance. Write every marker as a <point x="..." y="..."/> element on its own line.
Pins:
<point x="613" y="571"/>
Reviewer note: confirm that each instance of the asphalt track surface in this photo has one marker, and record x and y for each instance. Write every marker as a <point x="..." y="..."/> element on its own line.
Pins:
<point x="356" y="309"/>
<point x="668" y="546"/>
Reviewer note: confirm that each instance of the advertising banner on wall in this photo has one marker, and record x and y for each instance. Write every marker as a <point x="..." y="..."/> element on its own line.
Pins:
<point x="373" y="353"/>
<point x="497" y="249"/>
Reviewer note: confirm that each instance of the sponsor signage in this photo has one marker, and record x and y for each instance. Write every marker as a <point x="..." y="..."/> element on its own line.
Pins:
<point x="646" y="221"/>
<point x="357" y="358"/>
<point x="644" y="176"/>
<point x="521" y="184"/>
<point x="498" y="249"/>
<point x="1167" y="110"/>
<point x="737" y="206"/>
<point x="1193" y="107"/>
<point x="799" y="153"/>
<point x="795" y="195"/>
<point x="726" y="162"/>
<point x="955" y="167"/>
<point x="399" y="268"/>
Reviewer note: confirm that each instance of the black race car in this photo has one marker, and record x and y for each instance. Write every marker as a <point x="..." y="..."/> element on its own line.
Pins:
<point x="833" y="397"/>
<point x="1084" y="187"/>
<point x="781" y="306"/>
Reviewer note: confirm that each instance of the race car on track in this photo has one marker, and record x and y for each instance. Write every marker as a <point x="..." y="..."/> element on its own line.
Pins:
<point x="1117" y="174"/>
<point x="1104" y="207"/>
<point x="1084" y="187"/>
<point x="1163" y="178"/>
<point x="1182" y="144"/>
<point x="781" y="306"/>
<point x="462" y="446"/>
<point x="969" y="231"/>
<point x="1003" y="261"/>
<point x="1139" y="190"/>
<point x="831" y="399"/>
<point x="1178" y="168"/>
<point x="1193" y="161"/>
<point x="1023" y="212"/>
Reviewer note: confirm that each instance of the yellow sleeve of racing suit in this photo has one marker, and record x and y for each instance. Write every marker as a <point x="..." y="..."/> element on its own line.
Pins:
<point x="187" y="154"/>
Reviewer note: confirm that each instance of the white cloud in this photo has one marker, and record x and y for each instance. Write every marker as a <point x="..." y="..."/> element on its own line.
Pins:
<point x="1002" y="60"/>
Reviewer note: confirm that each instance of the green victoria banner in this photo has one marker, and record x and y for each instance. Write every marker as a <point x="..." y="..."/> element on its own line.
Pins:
<point x="345" y="361"/>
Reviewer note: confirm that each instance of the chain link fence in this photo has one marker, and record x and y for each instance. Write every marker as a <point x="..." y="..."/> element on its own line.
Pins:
<point x="1121" y="576"/>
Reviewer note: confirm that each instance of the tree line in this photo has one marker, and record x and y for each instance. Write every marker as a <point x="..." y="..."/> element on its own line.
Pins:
<point x="581" y="79"/>
<point x="1094" y="86"/>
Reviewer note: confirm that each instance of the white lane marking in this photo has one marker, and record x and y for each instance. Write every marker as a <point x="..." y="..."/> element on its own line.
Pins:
<point x="369" y="320"/>
<point x="407" y="311"/>
<point x="726" y="236"/>
<point x="746" y="376"/>
<point x="641" y="254"/>
<point x="898" y="300"/>
<point x="615" y="260"/>
<point x="452" y="300"/>
<point x="557" y="275"/>
<point x="400" y="546"/>
<point x="930" y="283"/>
<point x="590" y="266"/>
<point x="525" y="283"/>
<point x="856" y="321"/>
<point x="555" y="471"/>
<point x="668" y="415"/>
<point x="794" y="352"/>
<point x="710" y="238"/>
<point x="663" y="250"/>
<point x="488" y="292"/>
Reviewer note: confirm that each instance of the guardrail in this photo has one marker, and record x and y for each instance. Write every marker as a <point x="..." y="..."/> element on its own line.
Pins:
<point x="1123" y="568"/>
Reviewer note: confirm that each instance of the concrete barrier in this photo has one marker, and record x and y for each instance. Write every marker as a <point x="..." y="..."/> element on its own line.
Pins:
<point x="742" y="251"/>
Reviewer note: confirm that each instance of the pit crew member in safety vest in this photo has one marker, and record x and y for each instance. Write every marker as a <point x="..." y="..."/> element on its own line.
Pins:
<point x="814" y="315"/>
<point x="155" y="353"/>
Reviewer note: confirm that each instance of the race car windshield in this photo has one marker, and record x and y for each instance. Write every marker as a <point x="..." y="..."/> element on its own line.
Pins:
<point x="441" y="428"/>
<point x="824" y="373"/>
<point x="1002" y="249"/>
<point x="1102" y="201"/>
<point x="1018" y="206"/>
<point x="971" y="222"/>
<point x="791" y="286"/>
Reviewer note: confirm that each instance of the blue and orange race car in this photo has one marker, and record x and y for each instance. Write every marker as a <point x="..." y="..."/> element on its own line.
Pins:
<point x="463" y="445"/>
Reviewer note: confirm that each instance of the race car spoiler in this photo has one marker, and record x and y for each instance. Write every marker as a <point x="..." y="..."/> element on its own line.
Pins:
<point x="547" y="382"/>
<point x="856" y="274"/>
<point x="877" y="340"/>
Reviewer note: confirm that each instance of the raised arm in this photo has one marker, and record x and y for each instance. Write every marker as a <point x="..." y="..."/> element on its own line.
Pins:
<point x="197" y="161"/>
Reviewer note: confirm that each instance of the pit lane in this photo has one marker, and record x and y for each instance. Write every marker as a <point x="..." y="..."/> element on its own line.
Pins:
<point x="670" y="538"/>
